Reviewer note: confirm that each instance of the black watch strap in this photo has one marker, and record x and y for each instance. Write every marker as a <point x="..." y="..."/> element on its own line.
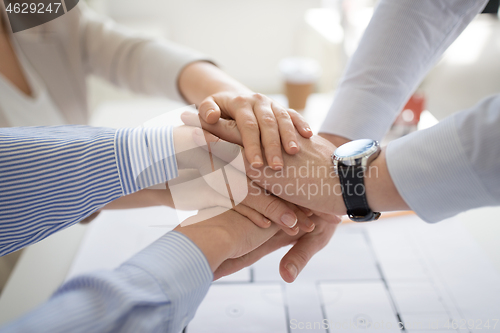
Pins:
<point x="354" y="194"/>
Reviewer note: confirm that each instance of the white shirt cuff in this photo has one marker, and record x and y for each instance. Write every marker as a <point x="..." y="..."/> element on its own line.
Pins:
<point x="433" y="175"/>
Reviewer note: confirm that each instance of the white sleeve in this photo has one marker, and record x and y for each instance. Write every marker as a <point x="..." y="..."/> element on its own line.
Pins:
<point x="129" y="60"/>
<point x="403" y="41"/>
<point x="451" y="167"/>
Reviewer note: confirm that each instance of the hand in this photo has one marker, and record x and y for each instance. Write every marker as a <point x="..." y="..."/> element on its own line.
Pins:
<point x="259" y="119"/>
<point x="308" y="180"/>
<point x="194" y="194"/>
<point x="226" y="235"/>
<point x="220" y="175"/>
<point x="305" y="246"/>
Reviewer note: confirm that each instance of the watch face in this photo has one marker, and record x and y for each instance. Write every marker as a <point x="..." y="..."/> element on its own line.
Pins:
<point x="355" y="148"/>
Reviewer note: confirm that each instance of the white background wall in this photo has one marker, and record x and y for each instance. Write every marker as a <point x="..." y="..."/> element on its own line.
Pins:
<point x="247" y="38"/>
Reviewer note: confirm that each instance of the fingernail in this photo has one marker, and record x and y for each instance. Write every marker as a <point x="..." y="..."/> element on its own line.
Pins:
<point x="257" y="161"/>
<point x="266" y="221"/>
<point x="292" y="144"/>
<point x="209" y="112"/>
<point x="198" y="131"/>
<point x="307" y="129"/>
<point x="289" y="220"/>
<point x="277" y="162"/>
<point x="309" y="223"/>
<point x="292" y="269"/>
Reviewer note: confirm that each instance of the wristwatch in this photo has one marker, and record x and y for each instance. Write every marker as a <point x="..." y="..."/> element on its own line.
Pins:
<point x="351" y="161"/>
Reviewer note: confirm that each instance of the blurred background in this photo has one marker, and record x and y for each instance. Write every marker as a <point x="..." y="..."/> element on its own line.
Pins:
<point x="249" y="39"/>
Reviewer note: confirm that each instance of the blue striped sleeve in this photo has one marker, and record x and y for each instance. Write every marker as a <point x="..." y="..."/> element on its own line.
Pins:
<point x="157" y="290"/>
<point x="53" y="177"/>
<point x="146" y="157"/>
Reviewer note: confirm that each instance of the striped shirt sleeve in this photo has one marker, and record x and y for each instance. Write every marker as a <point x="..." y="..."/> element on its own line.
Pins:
<point x="157" y="290"/>
<point x="53" y="177"/>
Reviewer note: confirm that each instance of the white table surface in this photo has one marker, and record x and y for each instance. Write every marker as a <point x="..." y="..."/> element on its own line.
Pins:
<point x="44" y="266"/>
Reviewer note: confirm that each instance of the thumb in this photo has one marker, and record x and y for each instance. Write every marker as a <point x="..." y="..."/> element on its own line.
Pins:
<point x="220" y="149"/>
<point x="209" y="110"/>
<point x="224" y="129"/>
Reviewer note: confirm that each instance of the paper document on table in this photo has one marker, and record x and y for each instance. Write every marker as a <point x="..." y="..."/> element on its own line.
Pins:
<point x="382" y="276"/>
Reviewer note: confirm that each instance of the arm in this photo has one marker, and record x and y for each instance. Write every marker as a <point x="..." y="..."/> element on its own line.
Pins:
<point x="53" y="177"/>
<point x="159" y="289"/>
<point x="157" y="67"/>
<point x="438" y="172"/>
<point x="309" y="179"/>
<point x="451" y="167"/>
<point x="400" y="45"/>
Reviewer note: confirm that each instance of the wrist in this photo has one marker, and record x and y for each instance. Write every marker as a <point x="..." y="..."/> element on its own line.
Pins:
<point x="336" y="200"/>
<point x="201" y="79"/>
<point x="213" y="241"/>
<point x="381" y="193"/>
<point x="335" y="139"/>
<point x="333" y="200"/>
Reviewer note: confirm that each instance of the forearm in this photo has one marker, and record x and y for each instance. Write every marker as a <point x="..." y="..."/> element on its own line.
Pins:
<point x="381" y="193"/>
<point x="402" y="42"/>
<point x="159" y="289"/>
<point x="143" y="198"/>
<point x="201" y="79"/>
<point x="451" y="167"/>
<point x="213" y="242"/>
<point x="53" y="177"/>
<point x="337" y="140"/>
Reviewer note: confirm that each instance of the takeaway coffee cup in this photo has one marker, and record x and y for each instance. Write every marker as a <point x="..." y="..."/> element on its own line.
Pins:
<point x="300" y="76"/>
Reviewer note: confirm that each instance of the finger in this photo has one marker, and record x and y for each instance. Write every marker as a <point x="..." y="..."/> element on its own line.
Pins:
<point x="286" y="129"/>
<point x="272" y="207"/>
<point x="297" y="258"/>
<point x="191" y="119"/>
<point x="303" y="222"/>
<point x="257" y="218"/>
<point x="224" y="129"/>
<point x="269" y="133"/>
<point x="209" y="110"/>
<point x="328" y="217"/>
<point x="254" y="197"/>
<point x="299" y="255"/>
<point x="231" y="266"/>
<point x="250" y="134"/>
<point x="220" y="149"/>
<point x="300" y="124"/>
<point x="306" y="211"/>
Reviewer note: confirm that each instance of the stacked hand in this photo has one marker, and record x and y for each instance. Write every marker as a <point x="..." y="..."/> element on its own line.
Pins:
<point x="308" y="178"/>
<point x="240" y="192"/>
<point x="241" y="243"/>
<point x="272" y="177"/>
